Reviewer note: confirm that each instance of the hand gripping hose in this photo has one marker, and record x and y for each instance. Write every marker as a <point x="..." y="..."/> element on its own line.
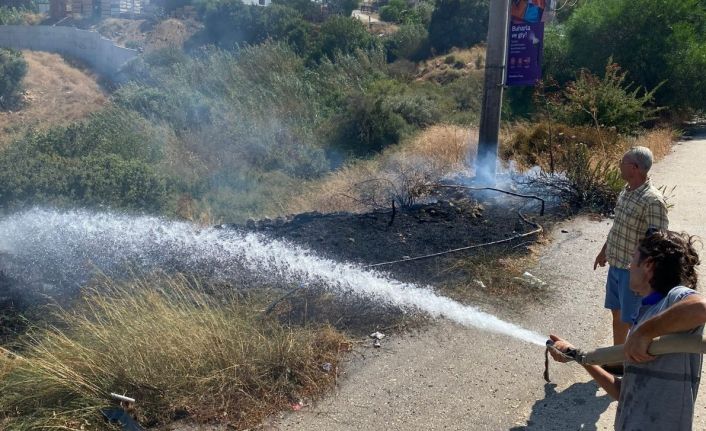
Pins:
<point x="676" y="343"/>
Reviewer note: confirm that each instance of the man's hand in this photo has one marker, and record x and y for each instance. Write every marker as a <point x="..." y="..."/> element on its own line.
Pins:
<point x="635" y="348"/>
<point x="562" y="346"/>
<point x="600" y="259"/>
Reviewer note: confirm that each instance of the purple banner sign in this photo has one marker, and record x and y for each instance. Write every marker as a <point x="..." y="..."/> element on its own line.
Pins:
<point x="524" y="53"/>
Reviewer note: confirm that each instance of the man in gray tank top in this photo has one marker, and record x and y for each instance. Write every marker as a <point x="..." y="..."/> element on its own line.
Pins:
<point x="657" y="393"/>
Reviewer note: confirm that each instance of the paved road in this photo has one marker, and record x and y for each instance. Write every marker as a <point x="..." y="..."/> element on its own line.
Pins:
<point x="452" y="378"/>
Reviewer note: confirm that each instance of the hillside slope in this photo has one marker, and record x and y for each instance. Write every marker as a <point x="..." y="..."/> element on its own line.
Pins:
<point x="55" y="93"/>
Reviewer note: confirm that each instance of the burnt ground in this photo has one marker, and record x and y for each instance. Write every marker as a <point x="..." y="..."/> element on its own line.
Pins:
<point x="453" y="218"/>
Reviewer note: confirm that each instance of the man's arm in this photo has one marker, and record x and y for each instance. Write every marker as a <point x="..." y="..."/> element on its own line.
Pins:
<point x="685" y="315"/>
<point x="656" y="215"/>
<point x="601" y="258"/>
<point x="604" y="379"/>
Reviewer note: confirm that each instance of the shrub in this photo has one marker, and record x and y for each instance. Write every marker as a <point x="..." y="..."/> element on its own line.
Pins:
<point x="107" y="160"/>
<point x="342" y="7"/>
<point x="13" y="69"/>
<point x="12" y="15"/>
<point x="605" y="102"/>
<point x="368" y="125"/>
<point x="191" y="353"/>
<point x="393" y="10"/>
<point x="410" y="42"/>
<point x="458" y="23"/>
<point x="229" y="23"/>
<point x="341" y="35"/>
<point x="652" y="41"/>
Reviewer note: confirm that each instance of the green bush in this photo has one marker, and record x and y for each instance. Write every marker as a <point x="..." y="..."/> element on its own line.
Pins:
<point x="386" y="112"/>
<point x="342" y="7"/>
<point x="605" y="102"/>
<point x="556" y="62"/>
<point x="341" y="36"/>
<point x="13" y="69"/>
<point x="310" y="11"/>
<point x="458" y="23"/>
<point x="108" y="160"/>
<point x="410" y="42"/>
<point x="393" y="11"/>
<point x="368" y="125"/>
<point x="12" y="15"/>
<point x="229" y="23"/>
<point x="653" y="40"/>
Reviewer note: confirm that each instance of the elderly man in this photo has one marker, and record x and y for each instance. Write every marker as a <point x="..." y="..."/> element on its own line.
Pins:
<point x="640" y="207"/>
<point x="657" y="393"/>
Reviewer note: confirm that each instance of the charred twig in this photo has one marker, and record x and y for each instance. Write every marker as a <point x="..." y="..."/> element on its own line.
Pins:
<point x="392" y="217"/>
<point x="274" y="303"/>
<point x="538" y="229"/>
<point x="541" y="212"/>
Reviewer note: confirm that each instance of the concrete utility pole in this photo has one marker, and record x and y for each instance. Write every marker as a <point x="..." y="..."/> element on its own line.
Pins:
<point x="492" y="90"/>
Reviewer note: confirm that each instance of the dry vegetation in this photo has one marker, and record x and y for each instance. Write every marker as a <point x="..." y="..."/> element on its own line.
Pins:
<point x="455" y="64"/>
<point x="530" y="144"/>
<point x="170" y="344"/>
<point x="145" y="34"/>
<point x="56" y="93"/>
<point x="401" y="172"/>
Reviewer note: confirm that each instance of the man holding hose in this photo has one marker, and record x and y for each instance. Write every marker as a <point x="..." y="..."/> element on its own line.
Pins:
<point x="657" y="393"/>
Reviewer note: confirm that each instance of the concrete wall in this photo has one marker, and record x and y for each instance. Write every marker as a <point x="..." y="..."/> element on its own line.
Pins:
<point x="101" y="54"/>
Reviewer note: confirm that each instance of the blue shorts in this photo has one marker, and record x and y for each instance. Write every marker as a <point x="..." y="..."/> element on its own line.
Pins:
<point x="618" y="295"/>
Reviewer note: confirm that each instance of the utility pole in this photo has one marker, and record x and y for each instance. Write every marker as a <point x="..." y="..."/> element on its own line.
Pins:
<point x="492" y="91"/>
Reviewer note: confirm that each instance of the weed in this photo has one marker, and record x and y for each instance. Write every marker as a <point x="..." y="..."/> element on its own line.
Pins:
<point x="173" y="345"/>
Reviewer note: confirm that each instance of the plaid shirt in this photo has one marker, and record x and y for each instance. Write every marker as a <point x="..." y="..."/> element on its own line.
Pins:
<point x="636" y="211"/>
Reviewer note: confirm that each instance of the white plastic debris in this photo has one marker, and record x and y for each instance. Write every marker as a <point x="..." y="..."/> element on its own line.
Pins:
<point x="531" y="281"/>
<point x="377" y="335"/>
<point x="122" y="398"/>
<point x="376" y="343"/>
<point x="479" y="283"/>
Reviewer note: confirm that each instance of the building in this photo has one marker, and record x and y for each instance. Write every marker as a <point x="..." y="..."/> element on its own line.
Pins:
<point x="90" y="8"/>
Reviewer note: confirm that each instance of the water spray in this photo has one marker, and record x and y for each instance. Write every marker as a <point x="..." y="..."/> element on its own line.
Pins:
<point x="675" y="343"/>
<point x="68" y="245"/>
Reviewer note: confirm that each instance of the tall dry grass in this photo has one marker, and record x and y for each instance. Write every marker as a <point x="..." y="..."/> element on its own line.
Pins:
<point x="173" y="347"/>
<point x="659" y="141"/>
<point x="586" y="157"/>
<point x="401" y="173"/>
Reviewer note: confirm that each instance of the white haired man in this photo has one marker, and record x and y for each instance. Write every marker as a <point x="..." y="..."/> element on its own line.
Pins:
<point x="640" y="207"/>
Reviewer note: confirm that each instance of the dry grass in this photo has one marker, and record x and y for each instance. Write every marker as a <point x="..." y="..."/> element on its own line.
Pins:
<point x="528" y="143"/>
<point x="659" y="141"/>
<point x="173" y="347"/>
<point x="436" y="69"/>
<point x="171" y="32"/>
<point x="401" y="172"/>
<point x="55" y="94"/>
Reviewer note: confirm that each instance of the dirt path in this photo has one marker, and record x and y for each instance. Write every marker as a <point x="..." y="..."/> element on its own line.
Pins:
<point x="453" y="378"/>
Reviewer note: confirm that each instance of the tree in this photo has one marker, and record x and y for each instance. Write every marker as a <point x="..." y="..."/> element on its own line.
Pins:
<point x="652" y="39"/>
<point x="342" y="7"/>
<point x="393" y="10"/>
<point x="230" y="22"/>
<point x="13" y="69"/>
<point x="343" y="35"/>
<point x="411" y="41"/>
<point x="458" y="23"/>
